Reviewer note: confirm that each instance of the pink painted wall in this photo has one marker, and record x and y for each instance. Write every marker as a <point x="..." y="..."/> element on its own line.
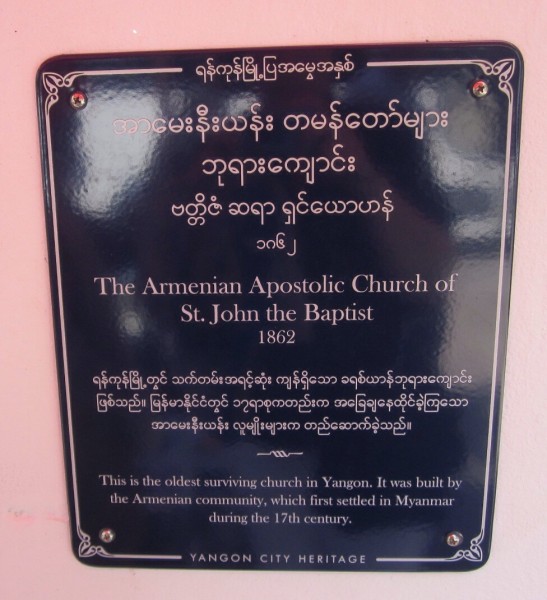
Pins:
<point x="35" y="557"/>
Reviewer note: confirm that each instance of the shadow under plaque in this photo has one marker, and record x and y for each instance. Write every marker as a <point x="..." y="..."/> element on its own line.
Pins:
<point x="280" y="281"/>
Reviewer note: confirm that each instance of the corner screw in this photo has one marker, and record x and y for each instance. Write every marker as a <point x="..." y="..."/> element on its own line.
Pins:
<point x="480" y="88"/>
<point x="78" y="100"/>
<point x="454" y="539"/>
<point x="107" y="535"/>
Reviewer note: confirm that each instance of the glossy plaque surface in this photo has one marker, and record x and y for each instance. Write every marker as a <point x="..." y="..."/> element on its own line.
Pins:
<point x="280" y="284"/>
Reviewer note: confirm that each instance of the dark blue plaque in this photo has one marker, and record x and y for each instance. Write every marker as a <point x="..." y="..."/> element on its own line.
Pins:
<point x="280" y="285"/>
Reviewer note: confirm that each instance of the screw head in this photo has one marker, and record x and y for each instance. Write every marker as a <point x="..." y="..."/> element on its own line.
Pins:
<point x="480" y="88"/>
<point x="107" y="535"/>
<point x="454" y="539"/>
<point x="78" y="100"/>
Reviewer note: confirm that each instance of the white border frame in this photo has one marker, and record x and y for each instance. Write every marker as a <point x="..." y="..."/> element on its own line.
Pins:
<point x="504" y="70"/>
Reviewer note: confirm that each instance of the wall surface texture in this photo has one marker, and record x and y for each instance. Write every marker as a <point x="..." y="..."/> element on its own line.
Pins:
<point x="35" y="555"/>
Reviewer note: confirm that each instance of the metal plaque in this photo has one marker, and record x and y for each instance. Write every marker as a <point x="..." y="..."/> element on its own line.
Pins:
<point x="280" y="284"/>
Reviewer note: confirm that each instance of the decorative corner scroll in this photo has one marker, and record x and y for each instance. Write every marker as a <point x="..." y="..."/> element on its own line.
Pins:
<point x="473" y="553"/>
<point x="52" y="82"/>
<point x="504" y="69"/>
<point x="86" y="549"/>
<point x="279" y="454"/>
